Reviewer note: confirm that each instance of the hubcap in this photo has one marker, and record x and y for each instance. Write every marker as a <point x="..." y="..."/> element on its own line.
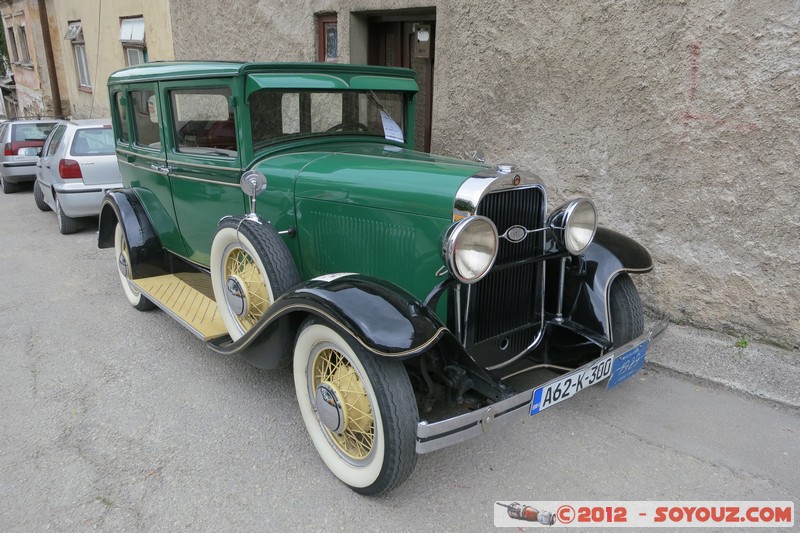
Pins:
<point x="342" y="404"/>
<point x="236" y="296"/>
<point x="246" y="292"/>
<point x="123" y="264"/>
<point x="331" y="411"/>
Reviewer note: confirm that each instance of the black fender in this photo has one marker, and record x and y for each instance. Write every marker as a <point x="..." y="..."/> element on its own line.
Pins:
<point x="384" y="318"/>
<point x="147" y="255"/>
<point x="589" y="276"/>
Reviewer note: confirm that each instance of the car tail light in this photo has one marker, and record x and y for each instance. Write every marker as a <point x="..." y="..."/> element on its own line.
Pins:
<point x="69" y="169"/>
<point x="8" y="150"/>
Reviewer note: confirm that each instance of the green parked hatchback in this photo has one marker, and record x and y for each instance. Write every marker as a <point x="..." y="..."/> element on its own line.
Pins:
<point x="278" y="212"/>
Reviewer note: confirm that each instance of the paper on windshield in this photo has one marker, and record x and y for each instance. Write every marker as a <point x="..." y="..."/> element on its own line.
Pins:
<point x="391" y="130"/>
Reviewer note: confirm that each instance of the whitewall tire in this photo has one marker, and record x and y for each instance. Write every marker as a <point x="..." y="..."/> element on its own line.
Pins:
<point x="123" y="263"/>
<point x="359" y="409"/>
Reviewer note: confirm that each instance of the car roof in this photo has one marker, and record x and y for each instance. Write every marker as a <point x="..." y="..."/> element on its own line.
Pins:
<point x="83" y="122"/>
<point x="162" y="70"/>
<point x="33" y="121"/>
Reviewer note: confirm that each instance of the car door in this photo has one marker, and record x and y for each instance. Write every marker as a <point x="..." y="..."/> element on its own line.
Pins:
<point x="141" y="156"/>
<point x="47" y="165"/>
<point x="203" y="159"/>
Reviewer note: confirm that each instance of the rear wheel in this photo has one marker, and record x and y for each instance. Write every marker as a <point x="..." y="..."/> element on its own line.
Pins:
<point x="627" y="312"/>
<point x="38" y="197"/>
<point x="7" y="187"/>
<point x="122" y="254"/>
<point x="358" y="408"/>
<point x="250" y="267"/>
<point x="66" y="225"/>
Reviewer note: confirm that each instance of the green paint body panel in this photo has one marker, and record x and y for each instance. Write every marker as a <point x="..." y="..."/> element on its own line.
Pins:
<point x="359" y="203"/>
<point x="364" y="207"/>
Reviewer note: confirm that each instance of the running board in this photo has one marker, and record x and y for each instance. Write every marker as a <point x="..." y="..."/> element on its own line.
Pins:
<point x="189" y="299"/>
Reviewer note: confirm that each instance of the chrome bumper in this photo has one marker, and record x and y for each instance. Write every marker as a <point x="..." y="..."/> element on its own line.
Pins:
<point x="436" y="435"/>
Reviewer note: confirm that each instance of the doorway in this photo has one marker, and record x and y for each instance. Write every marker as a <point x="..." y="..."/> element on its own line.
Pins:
<point x="407" y="40"/>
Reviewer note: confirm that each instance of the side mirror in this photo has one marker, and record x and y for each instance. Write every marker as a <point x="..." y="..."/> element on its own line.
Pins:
<point x="30" y="152"/>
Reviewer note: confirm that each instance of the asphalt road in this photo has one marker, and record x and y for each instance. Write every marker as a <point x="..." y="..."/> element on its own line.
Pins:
<point x="119" y="420"/>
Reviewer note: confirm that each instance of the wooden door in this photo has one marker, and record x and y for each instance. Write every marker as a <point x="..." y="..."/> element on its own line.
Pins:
<point x="410" y="44"/>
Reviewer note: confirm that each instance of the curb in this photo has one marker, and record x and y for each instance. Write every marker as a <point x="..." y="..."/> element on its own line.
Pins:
<point x="758" y="369"/>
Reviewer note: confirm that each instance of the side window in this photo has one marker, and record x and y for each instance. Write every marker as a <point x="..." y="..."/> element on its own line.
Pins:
<point x="122" y="117"/>
<point x="203" y="121"/>
<point x="55" y="140"/>
<point x="144" y="108"/>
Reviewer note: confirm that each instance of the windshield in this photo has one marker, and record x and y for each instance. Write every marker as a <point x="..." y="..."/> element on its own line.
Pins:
<point x="278" y="115"/>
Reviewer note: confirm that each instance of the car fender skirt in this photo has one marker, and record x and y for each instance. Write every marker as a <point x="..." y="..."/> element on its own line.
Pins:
<point x="382" y="317"/>
<point x="588" y="282"/>
<point x="146" y="252"/>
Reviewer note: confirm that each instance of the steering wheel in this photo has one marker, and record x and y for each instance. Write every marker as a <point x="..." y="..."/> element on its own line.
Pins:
<point x="349" y="126"/>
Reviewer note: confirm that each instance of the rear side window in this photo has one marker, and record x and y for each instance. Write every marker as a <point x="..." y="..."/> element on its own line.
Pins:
<point x="30" y="132"/>
<point x="93" y="141"/>
<point x="145" y="118"/>
<point x="55" y="140"/>
<point x="204" y="122"/>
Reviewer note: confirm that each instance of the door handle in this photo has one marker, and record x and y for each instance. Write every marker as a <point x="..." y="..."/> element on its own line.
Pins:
<point x="160" y="168"/>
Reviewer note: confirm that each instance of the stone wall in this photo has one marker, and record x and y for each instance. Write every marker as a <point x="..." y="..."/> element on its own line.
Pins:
<point x="679" y="119"/>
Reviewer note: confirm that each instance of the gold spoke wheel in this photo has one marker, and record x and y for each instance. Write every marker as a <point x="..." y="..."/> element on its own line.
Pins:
<point x="356" y="437"/>
<point x="242" y="268"/>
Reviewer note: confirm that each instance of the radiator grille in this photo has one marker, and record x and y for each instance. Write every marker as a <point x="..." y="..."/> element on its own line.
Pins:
<point x="506" y="300"/>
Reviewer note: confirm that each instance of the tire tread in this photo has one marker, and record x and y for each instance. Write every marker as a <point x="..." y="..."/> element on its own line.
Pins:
<point x="627" y="312"/>
<point x="400" y="460"/>
<point x="275" y="254"/>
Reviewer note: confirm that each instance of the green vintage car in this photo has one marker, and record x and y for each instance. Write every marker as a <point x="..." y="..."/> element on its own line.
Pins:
<point x="279" y="212"/>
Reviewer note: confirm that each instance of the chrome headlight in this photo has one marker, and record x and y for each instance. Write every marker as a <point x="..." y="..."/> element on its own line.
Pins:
<point x="470" y="248"/>
<point x="574" y="225"/>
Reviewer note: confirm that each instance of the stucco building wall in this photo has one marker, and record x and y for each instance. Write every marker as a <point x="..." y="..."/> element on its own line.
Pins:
<point x="679" y="119"/>
<point x="100" y="20"/>
<point x="33" y="84"/>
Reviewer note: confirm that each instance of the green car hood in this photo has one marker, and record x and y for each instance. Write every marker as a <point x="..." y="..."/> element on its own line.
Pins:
<point x="383" y="176"/>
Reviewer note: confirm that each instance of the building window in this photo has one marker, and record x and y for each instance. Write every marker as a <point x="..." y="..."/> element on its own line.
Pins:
<point x="327" y="39"/>
<point x="25" y="54"/>
<point x="12" y="44"/>
<point x="75" y="34"/>
<point x="131" y="35"/>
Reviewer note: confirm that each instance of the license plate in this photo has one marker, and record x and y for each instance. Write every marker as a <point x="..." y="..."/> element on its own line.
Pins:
<point x="619" y="368"/>
<point x="627" y="364"/>
<point x="570" y="384"/>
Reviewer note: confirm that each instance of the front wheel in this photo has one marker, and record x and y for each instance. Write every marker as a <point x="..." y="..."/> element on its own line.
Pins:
<point x="358" y="408"/>
<point x="627" y="312"/>
<point x="122" y="254"/>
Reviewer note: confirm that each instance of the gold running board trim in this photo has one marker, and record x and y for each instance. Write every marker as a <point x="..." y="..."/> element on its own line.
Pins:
<point x="190" y="306"/>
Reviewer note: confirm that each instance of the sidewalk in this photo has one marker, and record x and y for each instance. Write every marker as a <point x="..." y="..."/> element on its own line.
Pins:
<point x="759" y="369"/>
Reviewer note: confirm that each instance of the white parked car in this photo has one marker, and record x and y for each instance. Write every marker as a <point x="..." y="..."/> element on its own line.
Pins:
<point x="78" y="165"/>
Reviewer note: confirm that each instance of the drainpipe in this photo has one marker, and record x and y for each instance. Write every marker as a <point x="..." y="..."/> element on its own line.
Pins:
<point x="51" y="64"/>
